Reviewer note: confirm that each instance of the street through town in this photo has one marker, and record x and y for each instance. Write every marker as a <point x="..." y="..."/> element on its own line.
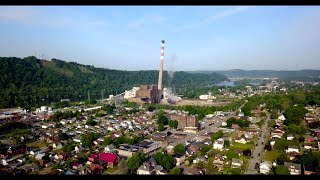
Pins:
<point x="257" y="153"/>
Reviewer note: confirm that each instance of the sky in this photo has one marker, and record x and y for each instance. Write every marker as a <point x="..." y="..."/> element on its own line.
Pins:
<point x="196" y="37"/>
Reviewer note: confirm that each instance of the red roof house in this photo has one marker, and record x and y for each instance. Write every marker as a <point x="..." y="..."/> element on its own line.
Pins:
<point x="76" y="165"/>
<point x="110" y="159"/>
<point x="93" y="157"/>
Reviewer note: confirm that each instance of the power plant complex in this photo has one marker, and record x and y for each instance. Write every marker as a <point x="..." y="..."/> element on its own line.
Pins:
<point x="150" y="93"/>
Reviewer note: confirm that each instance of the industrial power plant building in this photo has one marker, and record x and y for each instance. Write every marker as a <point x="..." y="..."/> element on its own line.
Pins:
<point x="148" y="93"/>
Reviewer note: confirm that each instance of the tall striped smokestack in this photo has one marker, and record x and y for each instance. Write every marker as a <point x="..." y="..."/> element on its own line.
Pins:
<point x="161" y="66"/>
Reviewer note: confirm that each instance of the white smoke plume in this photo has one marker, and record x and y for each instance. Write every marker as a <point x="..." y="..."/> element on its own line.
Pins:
<point x="170" y="68"/>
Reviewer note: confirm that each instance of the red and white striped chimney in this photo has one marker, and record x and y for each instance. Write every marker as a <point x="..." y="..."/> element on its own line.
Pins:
<point x="161" y="66"/>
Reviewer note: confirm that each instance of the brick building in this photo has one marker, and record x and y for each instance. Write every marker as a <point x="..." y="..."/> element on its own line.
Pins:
<point x="185" y="120"/>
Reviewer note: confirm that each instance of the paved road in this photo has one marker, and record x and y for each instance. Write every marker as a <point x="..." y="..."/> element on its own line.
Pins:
<point x="258" y="149"/>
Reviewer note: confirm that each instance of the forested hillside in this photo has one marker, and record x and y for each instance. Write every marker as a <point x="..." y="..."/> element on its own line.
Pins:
<point x="31" y="81"/>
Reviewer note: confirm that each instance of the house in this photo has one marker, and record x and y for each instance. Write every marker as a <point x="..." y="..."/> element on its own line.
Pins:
<point x="77" y="139"/>
<point x="76" y="165"/>
<point x="199" y="159"/>
<point x="253" y="126"/>
<point x="235" y="126"/>
<point x="148" y="168"/>
<point x="265" y="167"/>
<point x="57" y="146"/>
<point x="96" y="166"/>
<point x="292" y="149"/>
<point x="309" y="139"/>
<point x="295" y="169"/>
<point x="281" y="117"/>
<point x="192" y="171"/>
<point x="308" y="170"/>
<point x="40" y="156"/>
<point x="34" y="152"/>
<point x="307" y="145"/>
<point x="192" y="148"/>
<point x="110" y="159"/>
<point x="93" y="157"/>
<point x="219" y="162"/>
<point x="277" y="133"/>
<point x="19" y="149"/>
<point x="241" y="140"/>
<point x="76" y="149"/>
<point x="170" y="149"/>
<point x="179" y="158"/>
<point x="292" y="155"/>
<point x="236" y="163"/>
<point x="290" y="137"/>
<point x="110" y="148"/>
<point x="218" y="144"/>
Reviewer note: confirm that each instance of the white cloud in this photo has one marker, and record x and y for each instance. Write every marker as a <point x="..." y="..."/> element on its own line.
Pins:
<point x="215" y="17"/>
<point x="36" y="16"/>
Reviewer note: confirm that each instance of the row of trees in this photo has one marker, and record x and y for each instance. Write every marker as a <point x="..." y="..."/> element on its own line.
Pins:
<point x="202" y="111"/>
<point x="240" y="122"/>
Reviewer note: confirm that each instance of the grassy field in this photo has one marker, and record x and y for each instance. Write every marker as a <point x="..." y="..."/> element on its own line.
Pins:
<point x="270" y="155"/>
<point x="239" y="146"/>
<point x="110" y="170"/>
<point x="37" y="144"/>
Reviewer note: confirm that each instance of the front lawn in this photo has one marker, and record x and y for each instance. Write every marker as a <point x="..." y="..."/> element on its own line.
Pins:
<point x="37" y="144"/>
<point x="239" y="146"/>
<point x="270" y="155"/>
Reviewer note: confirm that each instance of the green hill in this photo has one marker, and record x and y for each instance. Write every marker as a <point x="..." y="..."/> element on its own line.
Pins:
<point x="31" y="81"/>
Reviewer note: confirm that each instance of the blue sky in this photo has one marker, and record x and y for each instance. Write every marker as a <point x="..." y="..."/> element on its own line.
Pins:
<point x="197" y="37"/>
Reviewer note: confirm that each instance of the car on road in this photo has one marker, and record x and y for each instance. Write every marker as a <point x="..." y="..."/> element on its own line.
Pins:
<point x="261" y="142"/>
<point x="256" y="166"/>
<point x="257" y="144"/>
<point x="259" y="155"/>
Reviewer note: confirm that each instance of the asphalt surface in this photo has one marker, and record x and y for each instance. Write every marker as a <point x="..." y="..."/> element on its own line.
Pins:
<point x="258" y="149"/>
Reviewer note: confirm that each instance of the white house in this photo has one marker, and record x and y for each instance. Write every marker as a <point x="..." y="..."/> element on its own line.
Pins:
<point x="292" y="149"/>
<point x="110" y="148"/>
<point x="34" y="152"/>
<point x="179" y="158"/>
<point x="236" y="163"/>
<point x="295" y="169"/>
<point x="241" y="140"/>
<point x="76" y="149"/>
<point x="282" y="118"/>
<point x="77" y="139"/>
<point x="290" y="137"/>
<point x="265" y="167"/>
<point x="40" y="156"/>
<point x="44" y="126"/>
<point x="272" y="142"/>
<point x="110" y="128"/>
<point x="57" y="146"/>
<point x="218" y="144"/>
<point x="63" y="122"/>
